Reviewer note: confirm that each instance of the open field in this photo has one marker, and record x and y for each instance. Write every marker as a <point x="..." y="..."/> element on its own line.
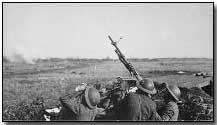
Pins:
<point x="52" y="78"/>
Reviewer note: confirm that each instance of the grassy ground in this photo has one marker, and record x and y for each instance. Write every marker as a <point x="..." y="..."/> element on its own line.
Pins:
<point x="51" y="79"/>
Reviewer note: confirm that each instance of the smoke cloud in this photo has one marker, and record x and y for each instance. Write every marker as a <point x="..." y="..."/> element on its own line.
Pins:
<point x="19" y="58"/>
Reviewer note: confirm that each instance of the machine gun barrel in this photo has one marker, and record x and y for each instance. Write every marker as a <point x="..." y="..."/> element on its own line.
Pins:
<point x="116" y="47"/>
<point x="124" y="61"/>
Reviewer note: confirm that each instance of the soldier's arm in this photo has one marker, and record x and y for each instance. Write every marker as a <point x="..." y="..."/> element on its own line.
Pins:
<point x="73" y="103"/>
<point x="156" y="117"/>
<point x="167" y="115"/>
<point x="169" y="112"/>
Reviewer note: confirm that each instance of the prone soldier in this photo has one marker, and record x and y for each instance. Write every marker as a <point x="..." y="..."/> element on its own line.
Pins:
<point x="80" y="105"/>
<point x="170" y="111"/>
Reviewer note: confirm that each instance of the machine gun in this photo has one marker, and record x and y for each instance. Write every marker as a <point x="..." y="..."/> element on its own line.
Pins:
<point x="128" y="65"/>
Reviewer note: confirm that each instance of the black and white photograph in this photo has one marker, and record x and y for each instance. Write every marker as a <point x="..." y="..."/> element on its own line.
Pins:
<point x="95" y="61"/>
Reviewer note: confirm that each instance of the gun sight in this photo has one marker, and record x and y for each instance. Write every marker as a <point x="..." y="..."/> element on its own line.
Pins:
<point x="112" y="41"/>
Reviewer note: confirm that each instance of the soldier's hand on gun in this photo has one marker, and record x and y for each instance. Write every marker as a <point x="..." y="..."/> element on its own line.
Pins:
<point x="131" y="66"/>
<point x="81" y="87"/>
<point x="164" y="84"/>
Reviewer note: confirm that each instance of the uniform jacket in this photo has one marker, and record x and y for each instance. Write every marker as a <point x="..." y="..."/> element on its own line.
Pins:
<point x="74" y="108"/>
<point x="169" y="112"/>
<point x="139" y="107"/>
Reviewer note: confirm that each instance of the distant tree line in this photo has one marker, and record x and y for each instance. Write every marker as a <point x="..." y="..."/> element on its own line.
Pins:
<point x="6" y="59"/>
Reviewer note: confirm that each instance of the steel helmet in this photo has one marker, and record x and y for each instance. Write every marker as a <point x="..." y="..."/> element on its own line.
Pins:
<point x="92" y="97"/>
<point x="174" y="91"/>
<point x="146" y="85"/>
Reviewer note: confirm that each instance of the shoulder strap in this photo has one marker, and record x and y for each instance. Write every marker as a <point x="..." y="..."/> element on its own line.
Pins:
<point x="140" y="110"/>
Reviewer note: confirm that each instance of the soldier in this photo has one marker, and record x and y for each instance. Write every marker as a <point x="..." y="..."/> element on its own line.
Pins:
<point x="81" y="105"/>
<point x="170" y="111"/>
<point x="138" y="105"/>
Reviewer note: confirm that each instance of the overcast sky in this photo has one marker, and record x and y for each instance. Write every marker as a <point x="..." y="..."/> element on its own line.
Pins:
<point x="149" y="30"/>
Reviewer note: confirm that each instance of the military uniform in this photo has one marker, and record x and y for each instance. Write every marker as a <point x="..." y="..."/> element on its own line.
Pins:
<point x="139" y="107"/>
<point x="74" y="108"/>
<point x="169" y="112"/>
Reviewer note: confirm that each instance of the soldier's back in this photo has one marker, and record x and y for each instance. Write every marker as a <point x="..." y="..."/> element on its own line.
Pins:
<point x="138" y="107"/>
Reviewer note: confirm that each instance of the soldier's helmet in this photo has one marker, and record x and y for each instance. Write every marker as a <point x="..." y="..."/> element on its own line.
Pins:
<point x="174" y="91"/>
<point x="146" y="85"/>
<point x="92" y="97"/>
